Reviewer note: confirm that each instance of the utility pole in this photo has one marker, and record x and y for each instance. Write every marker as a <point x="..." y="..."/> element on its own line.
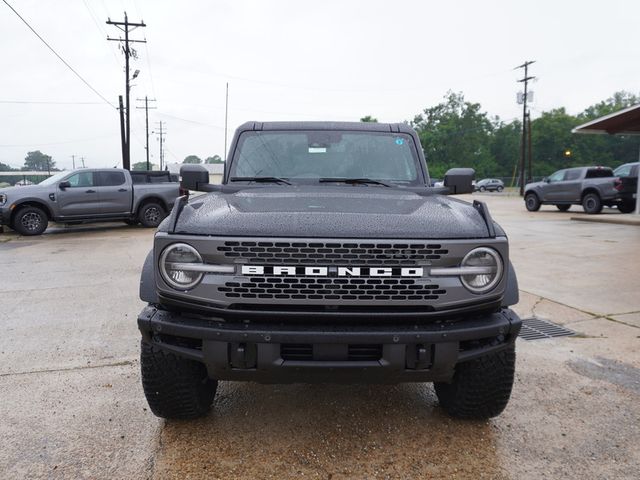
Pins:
<point x="73" y="159"/>
<point x="226" y="116"/>
<point x="82" y="160"/>
<point x="146" y="115"/>
<point x="127" y="27"/>
<point x="524" y="80"/>
<point x="162" y="133"/>
<point x="530" y="177"/>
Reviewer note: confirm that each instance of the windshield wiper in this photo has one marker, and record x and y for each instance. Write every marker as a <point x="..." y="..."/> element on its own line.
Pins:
<point x="260" y="180"/>
<point x="354" y="181"/>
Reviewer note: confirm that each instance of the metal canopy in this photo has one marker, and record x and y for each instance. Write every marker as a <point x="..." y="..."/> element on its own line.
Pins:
<point x="624" y="122"/>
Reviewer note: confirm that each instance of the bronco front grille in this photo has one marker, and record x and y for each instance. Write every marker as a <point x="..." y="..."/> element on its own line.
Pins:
<point x="347" y="253"/>
<point x="307" y="288"/>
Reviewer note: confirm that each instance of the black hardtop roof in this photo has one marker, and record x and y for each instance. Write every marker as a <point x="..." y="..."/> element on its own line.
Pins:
<point x="358" y="126"/>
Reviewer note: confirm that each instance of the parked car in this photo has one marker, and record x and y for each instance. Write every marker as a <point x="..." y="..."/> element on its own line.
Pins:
<point x="627" y="186"/>
<point x="591" y="187"/>
<point x="489" y="185"/>
<point x="89" y="195"/>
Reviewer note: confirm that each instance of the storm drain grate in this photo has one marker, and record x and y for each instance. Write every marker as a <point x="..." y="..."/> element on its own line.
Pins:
<point x="537" y="329"/>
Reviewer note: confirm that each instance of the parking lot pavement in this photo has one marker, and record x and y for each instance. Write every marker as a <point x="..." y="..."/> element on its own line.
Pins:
<point x="72" y="406"/>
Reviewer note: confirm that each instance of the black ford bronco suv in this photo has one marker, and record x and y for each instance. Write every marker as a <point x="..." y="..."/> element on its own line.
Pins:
<point x="325" y="256"/>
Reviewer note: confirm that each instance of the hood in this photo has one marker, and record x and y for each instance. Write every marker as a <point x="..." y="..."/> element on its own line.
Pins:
<point x="533" y="185"/>
<point x="23" y="191"/>
<point x="330" y="212"/>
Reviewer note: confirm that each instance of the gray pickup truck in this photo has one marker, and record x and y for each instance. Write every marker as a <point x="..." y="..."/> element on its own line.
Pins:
<point x="326" y="256"/>
<point x="591" y="187"/>
<point x="89" y="195"/>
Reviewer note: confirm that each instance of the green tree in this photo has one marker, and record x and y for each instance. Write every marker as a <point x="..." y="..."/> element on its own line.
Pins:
<point x="5" y="168"/>
<point x="192" y="159"/>
<point x="369" y="119"/>
<point x="214" y="159"/>
<point x="505" y="147"/>
<point x="38" y="161"/>
<point x="142" y="166"/>
<point x="456" y="133"/>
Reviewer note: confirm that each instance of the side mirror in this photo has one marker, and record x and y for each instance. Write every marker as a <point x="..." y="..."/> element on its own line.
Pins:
<point x="194" y="177"/>
<point x="459" y="180"/>
<point x="64" y="185"/>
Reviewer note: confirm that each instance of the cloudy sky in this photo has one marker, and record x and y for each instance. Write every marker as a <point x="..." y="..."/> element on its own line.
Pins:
<point x="292" y="60"/>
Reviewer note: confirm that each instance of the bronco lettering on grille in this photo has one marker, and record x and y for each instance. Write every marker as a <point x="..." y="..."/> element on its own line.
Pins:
<point x="333" y="271"/>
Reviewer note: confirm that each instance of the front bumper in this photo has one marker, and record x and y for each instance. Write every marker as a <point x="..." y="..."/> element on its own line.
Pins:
<point x="327" y="352"/>
<point x="5" y="215"/>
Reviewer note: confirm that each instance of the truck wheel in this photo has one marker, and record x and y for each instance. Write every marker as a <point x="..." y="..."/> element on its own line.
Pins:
<point x="563" y="208"/>
<point x="626" y="207"/>
<point x="151" y="214"/>
<point x="591" y="203"/>
<point x="532" y="202"/>
<point x="30" y="221"/>
<point x="175" y="387"/>
<point x="480" y="388"/>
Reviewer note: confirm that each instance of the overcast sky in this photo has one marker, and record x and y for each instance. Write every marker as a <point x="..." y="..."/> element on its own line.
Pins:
<point x="293" y="60"/>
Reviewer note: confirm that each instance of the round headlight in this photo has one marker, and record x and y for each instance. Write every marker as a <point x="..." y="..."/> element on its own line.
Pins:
<point x="489" y="264"/>
<point x="174" y="266"/>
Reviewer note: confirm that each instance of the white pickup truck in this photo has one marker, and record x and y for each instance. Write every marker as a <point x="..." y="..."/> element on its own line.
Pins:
<point x="89" y="195"/>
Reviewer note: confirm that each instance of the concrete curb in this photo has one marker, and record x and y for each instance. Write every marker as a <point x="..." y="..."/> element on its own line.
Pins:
<point x="611" y="219"/>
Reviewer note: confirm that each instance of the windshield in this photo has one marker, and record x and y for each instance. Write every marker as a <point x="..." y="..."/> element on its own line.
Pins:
<point x="54" y="179"/>
<point x="387" y="157"/>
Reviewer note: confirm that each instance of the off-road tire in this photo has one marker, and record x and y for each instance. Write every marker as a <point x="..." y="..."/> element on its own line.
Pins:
<point x="532" y="202"/>
<point x="30" y="221"/>
<point x="151" y="214"/>
<point x="480" y="388"/>
<point x="626" y="207"/>
<point x="175" y="387"/>
<point x="563" y="208"/>
<point x="591" y="203"/>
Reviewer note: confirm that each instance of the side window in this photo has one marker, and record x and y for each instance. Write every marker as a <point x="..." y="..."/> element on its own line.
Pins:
<point x="572" y="174"/>
<point x="81" y="179"/>
<point x="557" y="177"/>
<point x="110" y="179"/>
<point x="599" y="173"/>
<point x="623" y="171"/>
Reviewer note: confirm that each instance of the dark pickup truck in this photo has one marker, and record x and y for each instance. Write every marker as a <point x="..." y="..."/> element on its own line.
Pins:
<point x="591" y="187"/>
<point x="326" y="256"/>
<point x="627" y="186"/>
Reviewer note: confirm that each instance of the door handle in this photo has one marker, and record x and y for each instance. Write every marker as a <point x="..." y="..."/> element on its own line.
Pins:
<point x="90" y="191"/>
<point x="123" y="190"/>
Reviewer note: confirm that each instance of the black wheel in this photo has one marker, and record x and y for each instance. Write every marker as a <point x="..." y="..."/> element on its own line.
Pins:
<point x="500" y="188"/>
<point x="482" y="189"/>
<point x="626" y="207"/>
<point x="480" y="388"/>
<point x="175" y="387"/>
<point x="532" y="202"/>
<point x="30" y="221"/>
<point x="151" y="214"/>
<point x="591" y="203"/>
<point x="563" y="208"/>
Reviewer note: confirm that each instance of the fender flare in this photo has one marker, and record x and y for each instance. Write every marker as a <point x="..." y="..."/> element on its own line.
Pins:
<point x="148" y="291"/>
<point x="511" y="293"/>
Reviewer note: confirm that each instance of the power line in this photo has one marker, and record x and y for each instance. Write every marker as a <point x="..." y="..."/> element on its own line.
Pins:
<point x="58" y="55"/>
<point x="37" y="102"/>
<point x="190" y="121"/>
